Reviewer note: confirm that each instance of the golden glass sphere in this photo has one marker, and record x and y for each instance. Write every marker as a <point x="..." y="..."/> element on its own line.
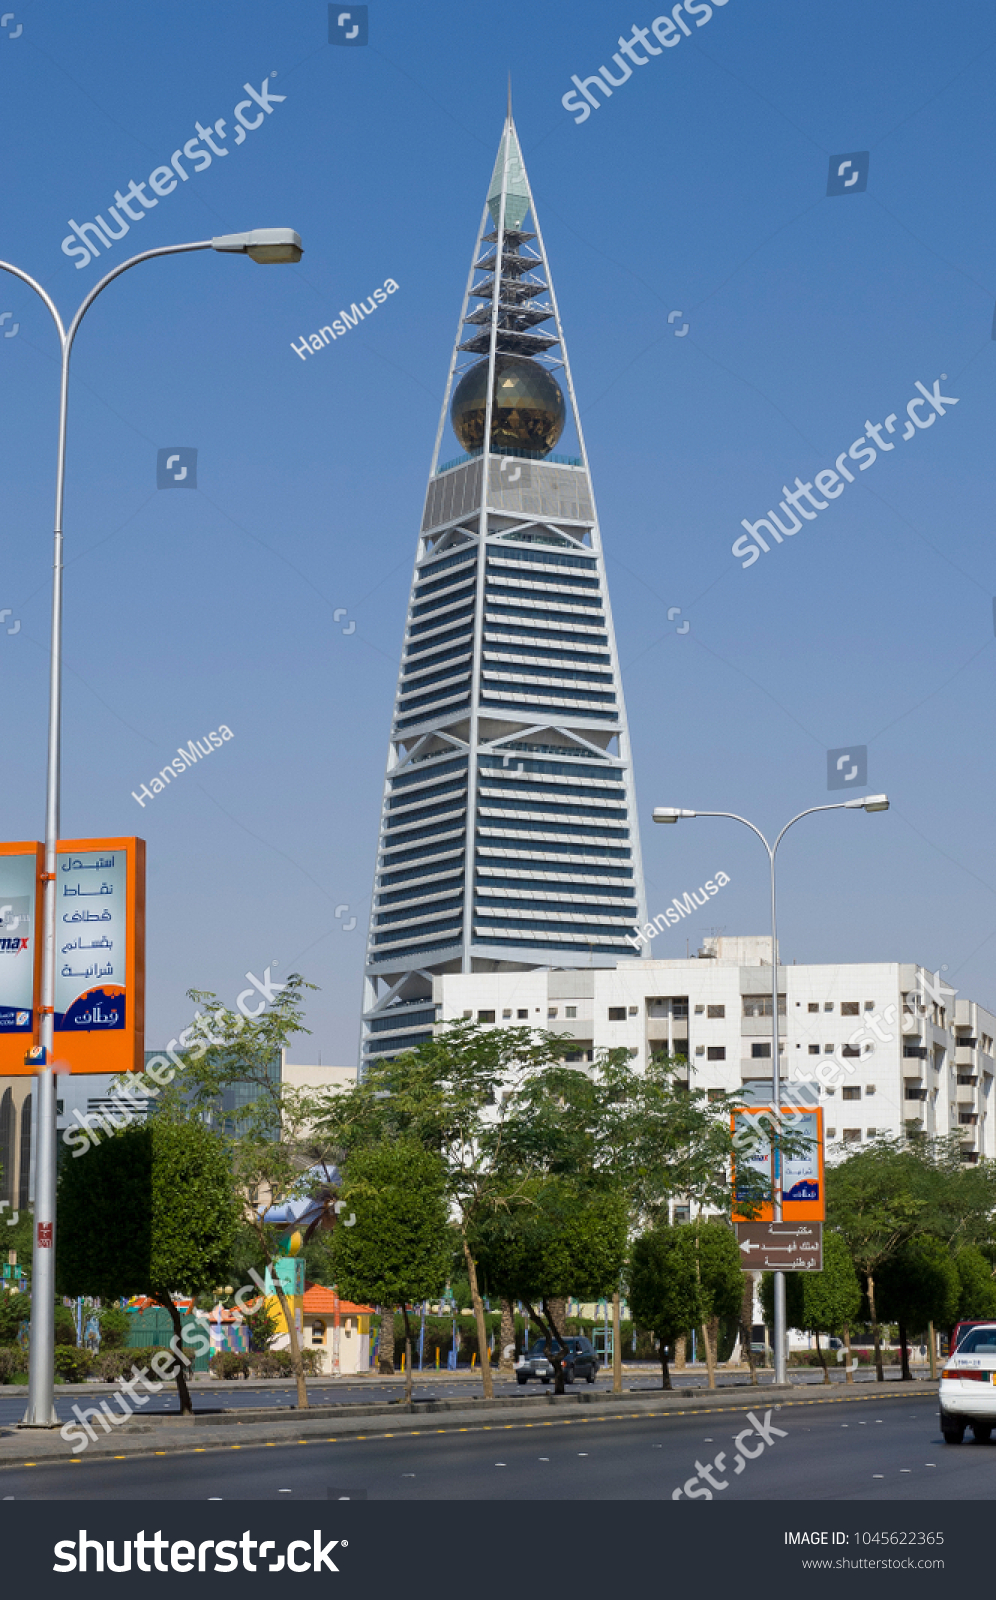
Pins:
<point x="528" y="411"/>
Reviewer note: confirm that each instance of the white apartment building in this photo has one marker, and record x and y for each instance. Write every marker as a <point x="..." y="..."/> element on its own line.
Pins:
<point x="883" y="1043"/>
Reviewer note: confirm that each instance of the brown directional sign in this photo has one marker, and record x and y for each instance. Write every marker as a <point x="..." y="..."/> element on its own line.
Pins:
<point x="781" y="1246"/>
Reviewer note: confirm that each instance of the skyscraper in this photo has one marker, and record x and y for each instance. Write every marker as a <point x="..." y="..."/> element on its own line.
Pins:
<point x="508" y="835"/>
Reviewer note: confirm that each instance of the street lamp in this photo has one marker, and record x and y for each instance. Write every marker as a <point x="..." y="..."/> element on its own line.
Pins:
<point x="873" y="802"/>
<point x="263" y="245"/>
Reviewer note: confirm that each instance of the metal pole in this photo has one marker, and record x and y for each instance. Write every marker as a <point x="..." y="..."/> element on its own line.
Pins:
<point x="776" y="1156"/>
<point x="41" y="1411"/>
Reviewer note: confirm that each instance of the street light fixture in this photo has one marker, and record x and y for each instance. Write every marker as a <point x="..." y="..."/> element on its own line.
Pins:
<point x="874" y="802"/>
<point x="264" y="245"/>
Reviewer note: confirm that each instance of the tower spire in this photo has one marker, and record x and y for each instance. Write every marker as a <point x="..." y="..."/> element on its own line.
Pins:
<point x="509" y="837"/>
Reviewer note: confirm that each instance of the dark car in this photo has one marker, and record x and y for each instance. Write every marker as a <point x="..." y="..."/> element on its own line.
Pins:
<point x="579" y="1361"/>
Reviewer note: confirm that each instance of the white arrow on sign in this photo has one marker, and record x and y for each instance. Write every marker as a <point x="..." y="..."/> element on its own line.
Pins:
<point x="747" y="1247"/>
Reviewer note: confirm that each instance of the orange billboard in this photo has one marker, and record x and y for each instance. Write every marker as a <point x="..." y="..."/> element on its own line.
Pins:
<point x="803" y="1186"/>
<point x="99" y="958"/>
<point x="20" y="953"/>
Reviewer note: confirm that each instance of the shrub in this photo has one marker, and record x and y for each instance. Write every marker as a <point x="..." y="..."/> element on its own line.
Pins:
<point x="72" y="1365"/>
<point x="65" y="1325"/>
<point x="114" y="1328"/>
<point x="12" y="1361"/>
<point x="277" y="1363"/>
<point x="229" y="1364"/>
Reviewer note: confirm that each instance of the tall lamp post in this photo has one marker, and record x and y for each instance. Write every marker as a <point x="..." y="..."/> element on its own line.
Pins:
<point x="265" y="245"/>
<point x="874" y="802"/>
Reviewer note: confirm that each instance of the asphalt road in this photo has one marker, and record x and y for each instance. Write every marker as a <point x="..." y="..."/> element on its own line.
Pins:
<point x="237" y="1395"/>
<point x="886" y="1450"/>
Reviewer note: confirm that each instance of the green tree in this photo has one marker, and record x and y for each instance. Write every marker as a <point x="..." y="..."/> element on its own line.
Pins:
<point x="818" y="1302"/>
<point x="115" y="1326"/>
<point x="683" y="1277"/>
<point x="150" y="1211"/>
<point x="398" y="1250"/>
<point x="876" y="1200"/>
<point x="976" y="1289"/>
<point x="917" y="1285"/>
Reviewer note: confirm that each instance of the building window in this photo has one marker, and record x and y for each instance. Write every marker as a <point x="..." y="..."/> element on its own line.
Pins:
<point x="467" y="1014"/>
<point x="485" y="1016"/>
<point x="869" y="1005"/>
<point x="850" y="1008"/>
<point x="851" y="1050"/>
<point x="700" y="1049"/>
<point x="829" y="1093"/>
<point x="872" y="1132"/>
<point x="814" y="1005"/>
<point x="617" y="1013"/>
<point x="679" y="1008"/>
<point x="634" y="1011"/>
<point x="551" y="1011"/>
<point x="869" y="1089"/>
<point x="570" y="1011"/>
<point x="715" y="1011"/>
<point x="759" y="1005"/>
<point x="831" y="1133"/>
<point x="716" y="1052"/>
<point x="506" y="1013"/>
<point x="681" y="1214"/>
<point x="760" y="1052"/>
<point x="318" y="1331"/>
<point x="715" y="1094"/>
<point x="852" y="1135"/>
<point x="523" y="1014"/>
<point x="828" y="1005"/>
<point x="814" y="1049"/>
<point x="828" y="1049"/>
<point x="852" y="1092"/>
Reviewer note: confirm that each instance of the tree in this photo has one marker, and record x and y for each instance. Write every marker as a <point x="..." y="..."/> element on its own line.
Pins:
<point x="976" y="1289"/>
<point x="831" y="1299"/>
<point x="683" y="1277"/>
<point x="919" y="1284"/>
<point x="876" y="1201"/>
<point x="563" y="1238"/>
<point x="150" y="1211"/>
<point x="663" y="1291"/>
<point x="818" y="1302"/>
<point x="398" y="1250"/>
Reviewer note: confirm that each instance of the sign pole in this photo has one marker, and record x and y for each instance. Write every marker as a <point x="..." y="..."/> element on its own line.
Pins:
<point x="776" y="1156"/>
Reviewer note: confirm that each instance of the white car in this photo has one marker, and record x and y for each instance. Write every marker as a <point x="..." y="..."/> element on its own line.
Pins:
<point x="968" y="1386"/>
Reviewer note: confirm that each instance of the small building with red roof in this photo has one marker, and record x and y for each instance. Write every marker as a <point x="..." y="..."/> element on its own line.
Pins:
<point x="316" y="1320"/>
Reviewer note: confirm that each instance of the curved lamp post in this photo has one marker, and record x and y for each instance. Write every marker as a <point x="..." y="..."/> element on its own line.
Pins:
<point x="264" y="245"/>
<point x="873" y="802"/>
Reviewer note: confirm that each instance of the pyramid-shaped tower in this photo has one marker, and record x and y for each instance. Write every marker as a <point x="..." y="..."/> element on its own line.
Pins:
<point x="508" y="836"/>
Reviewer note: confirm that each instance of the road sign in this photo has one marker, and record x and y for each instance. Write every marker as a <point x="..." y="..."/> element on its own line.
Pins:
<point x="781" y="1246"/>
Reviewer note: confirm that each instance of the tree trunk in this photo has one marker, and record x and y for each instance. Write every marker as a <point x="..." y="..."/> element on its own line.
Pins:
<point x="297" y="1365"/>
<point x="932" y="1345"/>
<point x="408" y="1357"/>
<point x="823" y="1360"/>
<point x="848" y="1374"/>
<point x="747" y="1323"/>
<point x="905" y="1375"/>
<point x="506" y="1365"/>
<point x="710" y="1362"/>
<point x="556" y="1344"/>
<point x="385" y="1345"/>
<point x="876" y="1330"/>
<point x="558" y="1310"/>
<point x="176" y="1345"/>
<point x="616" y="1346"/>
<point x="482" y="1333"/>
<point x="680" y="1359"/>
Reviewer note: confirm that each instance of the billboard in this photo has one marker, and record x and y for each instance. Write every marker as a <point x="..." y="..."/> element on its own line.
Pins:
<point x="20" y="952"/>
<point x="99" y="956"/>
<point x="803" y="1189"/>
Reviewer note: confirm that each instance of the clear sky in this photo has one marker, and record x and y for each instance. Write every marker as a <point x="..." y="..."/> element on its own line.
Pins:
<point x="699" y="188"/>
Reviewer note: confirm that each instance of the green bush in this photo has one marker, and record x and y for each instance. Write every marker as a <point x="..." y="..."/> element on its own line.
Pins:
<point x="65" y="1325"/>
<point x="229" y="1364"/>
<point x="114" y="1328"/>
<point x="72" y="1365"/>
<point x="15" y="1312"/>
<point x="12" y="1360"/>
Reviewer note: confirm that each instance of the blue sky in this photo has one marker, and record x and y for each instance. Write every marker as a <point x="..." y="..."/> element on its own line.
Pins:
<point x="700" y="186"/>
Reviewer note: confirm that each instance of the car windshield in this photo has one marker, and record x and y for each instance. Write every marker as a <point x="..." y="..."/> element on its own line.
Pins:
<point x="539" y="1348"/>
<point x="978" y="1342"/>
